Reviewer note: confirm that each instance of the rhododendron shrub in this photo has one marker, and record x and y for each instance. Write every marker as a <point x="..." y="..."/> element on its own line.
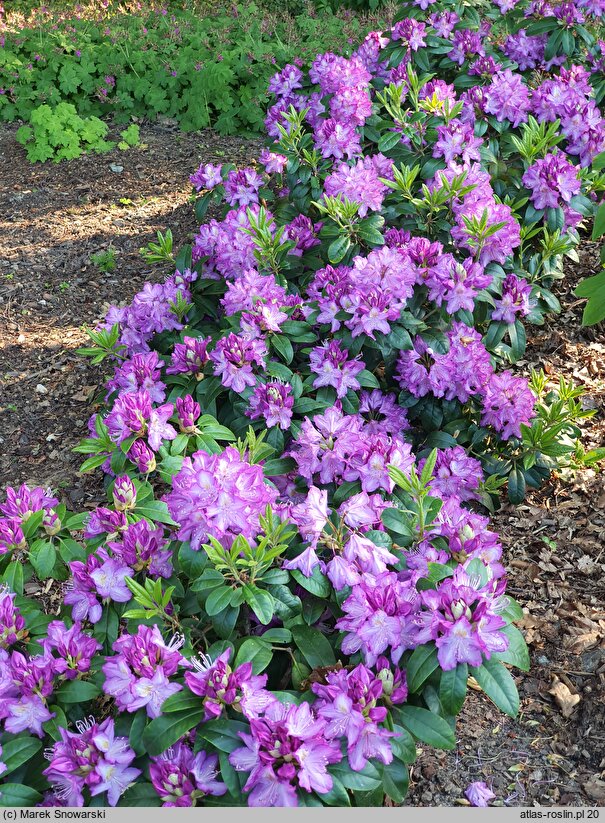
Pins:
<point x="304" y="426"/>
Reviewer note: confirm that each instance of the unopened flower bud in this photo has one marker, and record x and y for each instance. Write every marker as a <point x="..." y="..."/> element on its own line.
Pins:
<point x="142" y="456"/>
<point x="188" y="412"/>
<point x="51" y="523"/>
<point x="388" y="681"/>
<point x="124" y="493"/>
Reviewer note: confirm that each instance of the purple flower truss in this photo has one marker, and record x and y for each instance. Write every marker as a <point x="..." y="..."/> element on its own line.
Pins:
<point x="220" y="495"/>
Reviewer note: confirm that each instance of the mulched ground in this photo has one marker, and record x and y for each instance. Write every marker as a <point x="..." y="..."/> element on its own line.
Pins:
<point x="54" y="217"/>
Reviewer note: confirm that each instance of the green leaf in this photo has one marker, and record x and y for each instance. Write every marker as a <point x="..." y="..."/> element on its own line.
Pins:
<point x="30" y="526"/>
<point x="156" y="511"/>
<point x="166" y="730"/>
<point x="283" y="347"/>
<point x="395" y="779"/>
<point x="255" y="651"/>
<point x="452" y="688"/>
<point x="318" y="584"/>
<point x="18" y="751"/>
<point x="315" y="648"/>
<point x="517" y="653"/>
<point x="182" y="701"/>
<point x="397" y="521"/>
<point x="140" y="795"/>
<point x="388" y="141"/>
<point x="598" y="228"/>
<point x="594" y="289"/>
<point x="403" y="744"/>
<point x="421" y="665"/>
<point x="212" y="428"/>
<point x="14" y="794"/>
<point x="338" y="796"/>
<point x="261" y="603"/>
<point x="43" y="556"/>
<point x="192" y="563"/>
<point x="78" y="691"/>
<point x="13" y="576"/>
<point x="278" y="467"/>
<point x="338" y="248"/>
<point x="223" y="734"/>
<point x="498" y="684"/>
<point x="516" y="486"/>
<point x="217" y="600"/>
<point x="365" y="780"/>
<point x="426" y="726"/>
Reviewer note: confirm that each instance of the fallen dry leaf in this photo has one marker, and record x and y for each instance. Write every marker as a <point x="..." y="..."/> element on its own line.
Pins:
<point x="595" y="788"/>
<point x="564" y="699"/>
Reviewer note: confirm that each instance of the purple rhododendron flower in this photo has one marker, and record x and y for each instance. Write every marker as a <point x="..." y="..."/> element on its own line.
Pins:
<point x="138" y="675"/>
<point x="11" y="535"/>
<point x="189" y="357"/>
<point x="332" y="366"/>
<point x="516" y="299"/>
<point x="273" y="403"/>
<point x="93" y="757"/>
<point x="552" y="180"/>
<point x="348" y="702"/>
<point x="286" y="750"/>
<point x="182" y="778"/>
<point x="508" y="98"/>
<point x="208" y="176"/>
<point x="219" y="685"/>
<point x="233" y="357"/>
<point x="75" y="649"/>
<point x="220" y="495"/>
<point x="133" y="414"/>
<point x="23" y="502"/>
<point x="479" y="794"/>
<point x="12" y="624"/>
<point x="507" y="403"/>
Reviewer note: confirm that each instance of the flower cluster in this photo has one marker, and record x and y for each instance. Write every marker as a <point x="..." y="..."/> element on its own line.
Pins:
<point x="220" y="495"/>
<point x="92" y="758"/>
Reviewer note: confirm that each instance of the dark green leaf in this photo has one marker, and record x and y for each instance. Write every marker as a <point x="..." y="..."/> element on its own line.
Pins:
<point x="452" y="688"/>
<point x="517" y="653"/>
<point x="395" y="779"/>
<point x="18" y="751"/>
<point x="260" y="601"/>
<point x="43" y="556"/>
<point x="421" y="665"/>
<point x="166" y="730"/>
<point x="314" y="647"/>
<point x="426" y="726"/>
<point x="16" y="795"/>
<point x="255" y="651"/>
<point x="498" y="684"/>
<point x="78" y="691"/>
<point x="318" y="584"/>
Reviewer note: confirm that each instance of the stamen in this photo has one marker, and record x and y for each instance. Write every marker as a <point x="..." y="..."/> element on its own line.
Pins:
<point x="201" y="663"/>
<point x="176" y="642"/>
<point x="85" y="725"/>
<point x="168" y="754"/>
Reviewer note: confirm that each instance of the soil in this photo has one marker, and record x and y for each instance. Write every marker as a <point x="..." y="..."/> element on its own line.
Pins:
<point x="54" y="217"/>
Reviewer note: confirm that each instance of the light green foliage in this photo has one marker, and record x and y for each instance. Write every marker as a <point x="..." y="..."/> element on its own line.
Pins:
<point x="104" y="260"/>
<point x="130" y="137"/>
<point x="59" y="133"/>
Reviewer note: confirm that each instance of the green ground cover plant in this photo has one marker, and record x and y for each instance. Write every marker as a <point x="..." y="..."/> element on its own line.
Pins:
<point x="203" y="67"/>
